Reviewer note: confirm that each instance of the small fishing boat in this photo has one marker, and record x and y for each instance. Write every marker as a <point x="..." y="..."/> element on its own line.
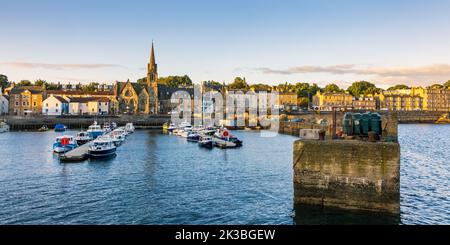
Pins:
<point x="206" y="142"/>
<point x="113" y="125"/>
<point x="222" y="143"/>
<point x="129" y="127"/>
<point x="224" y="139"/>
<point x="209" y="131"/>
<point x="83" y="137"/>
<point x="4" y="127"/>
<point x="121" y="130"/>
<point x="60" y="128"/>
<point x="95" y="130"/>
<point x="102" y="147"/>
<point x="44" y="128"/>
<point x="64" y="144"/>
<point x="193" y="137"/>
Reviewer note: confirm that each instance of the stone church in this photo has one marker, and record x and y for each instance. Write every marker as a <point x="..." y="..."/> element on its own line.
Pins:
<point x="134" y="98"/>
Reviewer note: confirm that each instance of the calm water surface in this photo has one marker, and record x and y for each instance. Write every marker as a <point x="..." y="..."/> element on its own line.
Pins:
<point x="160" y="179"/>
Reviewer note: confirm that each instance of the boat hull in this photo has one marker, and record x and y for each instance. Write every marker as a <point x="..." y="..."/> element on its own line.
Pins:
<point x="102" y="154"/>
<point x="83" y="141"/>
<point x="208" y="145"/>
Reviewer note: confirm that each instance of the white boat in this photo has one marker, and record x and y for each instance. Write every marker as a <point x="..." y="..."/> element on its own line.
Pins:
<point x="129" y="127"/>
<point x="117" y="137"/>
<point x="186" y="133"/>
<point x="107" y="127"/>
<point x="103" y="147"/>
<point x="171" y="127"/>
<point x="221" y="143"/>
<point x="206" y="142"/>
<point x="198" y="128"/>
<point x="4" y="127"/>
<point x="95" y="130"/>
<point x="121" y="130"/>
<point x="64" y="144"/>
<point x="83" y="138"/>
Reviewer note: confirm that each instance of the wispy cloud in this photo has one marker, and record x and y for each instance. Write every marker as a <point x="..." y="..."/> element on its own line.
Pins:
<point x="29" y="65"/>
<point x="430" y="70"/>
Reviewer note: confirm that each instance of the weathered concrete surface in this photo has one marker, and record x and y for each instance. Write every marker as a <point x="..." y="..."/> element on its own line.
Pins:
<point x="348" y="175"/>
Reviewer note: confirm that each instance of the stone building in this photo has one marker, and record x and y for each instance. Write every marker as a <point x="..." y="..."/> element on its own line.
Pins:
<point x="437" y="100"/>
<point x="26" y="100"/>
<point x="328" y="101"/>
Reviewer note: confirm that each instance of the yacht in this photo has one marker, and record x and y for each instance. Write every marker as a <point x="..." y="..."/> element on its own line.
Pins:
<point x="4" y="127"/>
<point x="224" y="139"/>
<point x="121" y="130"/>
<point x="206" y="142"/>
<point x="64" y="144"/>
<point x="95" y="130"/>
<point x="129" y="127"/>
<point x="83" y="138"/>
<point x="102" y="147"/>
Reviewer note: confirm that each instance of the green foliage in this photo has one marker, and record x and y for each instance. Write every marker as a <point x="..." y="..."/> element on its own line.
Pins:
<point x="142" y="81"/>
<point x="436" y="86"/>
<point x="363" y="88"/>
<point x="52" y="86"/>
<point x="400" y="86"/>
<point x="176" y="81"/>
<point x="447" y="84"/>
<point x="239" y="83"/>
<point x="331" y="88"/>
<point x="25" y="83"/>
<point x="261" y="87"/>
<point x="40" y="83"/>
<point x="212" y="83"/>
<point x="91" y="87"/>
<point x="3" y="81"/>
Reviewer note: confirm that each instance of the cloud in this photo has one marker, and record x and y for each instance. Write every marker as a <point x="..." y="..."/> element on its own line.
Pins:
<point x="29" y="65"/>
<point x="430" y="70"/>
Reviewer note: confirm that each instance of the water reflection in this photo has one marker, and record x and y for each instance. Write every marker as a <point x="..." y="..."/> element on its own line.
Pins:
<point x="316" y="215"/>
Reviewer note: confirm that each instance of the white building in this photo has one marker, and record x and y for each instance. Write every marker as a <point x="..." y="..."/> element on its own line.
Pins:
<point x="89" y="106"/>
<point x="55" y="106"/>
<point x="4" y="104"/>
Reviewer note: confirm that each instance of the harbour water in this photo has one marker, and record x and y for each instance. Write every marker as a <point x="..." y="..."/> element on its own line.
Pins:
<point x="161" y="179"/>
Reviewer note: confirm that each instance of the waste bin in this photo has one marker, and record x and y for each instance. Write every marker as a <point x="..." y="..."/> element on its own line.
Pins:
<point x="356" y="118"/>
<point x="365" y="122"/>
<point x="348" y="124"/>
<point x="375" y="123"/>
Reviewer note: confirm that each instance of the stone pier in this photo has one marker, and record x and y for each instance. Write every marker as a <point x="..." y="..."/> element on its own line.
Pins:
<point x="348" y="174"/>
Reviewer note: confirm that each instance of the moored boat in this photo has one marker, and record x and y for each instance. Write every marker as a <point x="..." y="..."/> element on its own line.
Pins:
<point x="95" y="130"/>
<point x="83" y="137"/>
<point x="193" y="137"/>
<point x="206" y="142"/>
<point x="171" y="127"/>
<point x="60" y="128"/>
<point x="4" y="127"/>
<point x="102" y="147"/>
<point x="224" y="139"/>
<point x="44" y="128"/>
<point x="117" y="137"/>
<point x="64" y="144"/>
<point x="129" y="127"/>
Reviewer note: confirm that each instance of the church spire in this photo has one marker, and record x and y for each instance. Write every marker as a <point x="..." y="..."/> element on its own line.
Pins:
<point x="152" y="58"/>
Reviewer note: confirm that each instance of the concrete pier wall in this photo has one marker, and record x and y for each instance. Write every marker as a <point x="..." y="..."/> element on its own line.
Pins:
<point x="77" y="122"/>
<point x="348" y="175"/>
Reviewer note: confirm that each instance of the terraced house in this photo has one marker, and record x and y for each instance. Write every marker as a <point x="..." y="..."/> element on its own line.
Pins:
<point x="26" y="100"/>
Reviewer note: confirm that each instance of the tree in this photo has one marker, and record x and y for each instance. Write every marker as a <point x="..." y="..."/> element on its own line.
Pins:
<point x="400" y="86"/>
<point x="239" y="83"/>
<point x="91" y="87"/>
<point x="24" y="83"/>
<point x="211" y="83"/>
<point x="435" y="86"/>
<point x="447" y="84"/>
<point x="40" y="82"/>
<point x="331" y="88"/>
<point x="261" y="87"/>
<point x="3" y="81"/>
<point x="363" y="88"/>
<point x="142" y="81"/>
<point x="176" y="81"/>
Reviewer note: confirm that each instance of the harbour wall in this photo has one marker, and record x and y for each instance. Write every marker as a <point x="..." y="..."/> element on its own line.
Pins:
<point x="347" y="174"/>
<point x="77" y="122"/>
<point x="310" y="121"/>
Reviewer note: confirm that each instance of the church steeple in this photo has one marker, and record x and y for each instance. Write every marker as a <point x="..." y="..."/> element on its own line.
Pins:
<point x="152" y="71"/>
<point x="152" y="58"/>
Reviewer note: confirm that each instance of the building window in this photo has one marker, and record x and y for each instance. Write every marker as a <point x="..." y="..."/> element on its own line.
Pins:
<point x="17" y="103"/>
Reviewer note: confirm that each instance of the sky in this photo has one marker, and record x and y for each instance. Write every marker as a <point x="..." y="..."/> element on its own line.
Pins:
<point x="265" y="41"/>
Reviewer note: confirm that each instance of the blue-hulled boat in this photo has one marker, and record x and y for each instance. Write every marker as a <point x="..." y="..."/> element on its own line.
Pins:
<point x="60" y="128"/>
<point x="95" y="130"/>
<point x="64" y="144"/>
